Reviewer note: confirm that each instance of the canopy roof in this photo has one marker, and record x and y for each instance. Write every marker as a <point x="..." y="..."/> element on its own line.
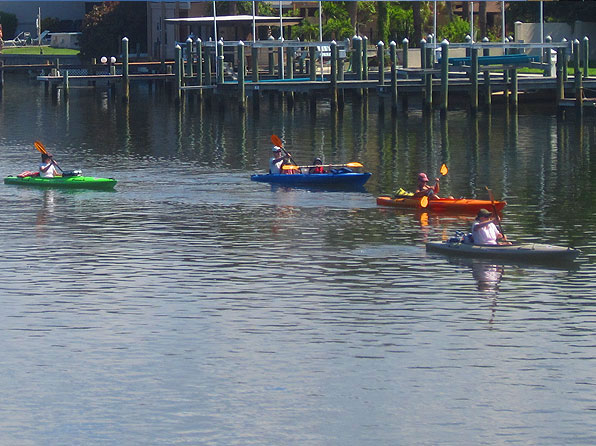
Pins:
<point x="237" y="20"/>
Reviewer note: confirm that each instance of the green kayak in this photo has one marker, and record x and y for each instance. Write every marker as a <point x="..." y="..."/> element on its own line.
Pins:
<point x="69" y="182"/>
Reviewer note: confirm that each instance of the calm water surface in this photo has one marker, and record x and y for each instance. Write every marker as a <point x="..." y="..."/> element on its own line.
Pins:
<point x="193" y="306"/>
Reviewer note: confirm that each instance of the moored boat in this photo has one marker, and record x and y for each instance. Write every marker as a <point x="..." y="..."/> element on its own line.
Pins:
<point x="522" y="252"/>
<point x="69" y="182"/>
<point x="462" y="205"/>
<point x="338" y="179"/>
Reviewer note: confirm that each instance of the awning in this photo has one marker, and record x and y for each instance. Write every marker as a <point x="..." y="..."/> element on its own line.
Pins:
<point x="236" y="20"/>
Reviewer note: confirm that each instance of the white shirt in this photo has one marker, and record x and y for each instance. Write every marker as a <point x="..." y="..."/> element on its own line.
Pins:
<point x="485" y="235"/>
<point x="50" y="173"/>
<point x="275" y="165"/>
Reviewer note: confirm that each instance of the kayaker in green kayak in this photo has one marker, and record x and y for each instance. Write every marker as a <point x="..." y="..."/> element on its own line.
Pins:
<point x="47" y="168"/>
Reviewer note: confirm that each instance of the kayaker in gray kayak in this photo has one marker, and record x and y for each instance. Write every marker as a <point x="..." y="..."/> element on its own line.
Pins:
<point x="484" y="230"/>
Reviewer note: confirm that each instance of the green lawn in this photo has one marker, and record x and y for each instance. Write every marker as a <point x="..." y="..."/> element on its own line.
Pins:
<point x="47" y="51"/>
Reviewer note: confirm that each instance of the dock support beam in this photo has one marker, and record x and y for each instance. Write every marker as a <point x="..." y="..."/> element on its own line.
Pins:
<point x="560" y="92"/>
<point x="381" y="61"/>
<point x="255" y="64"/>
<point x="178" y="72"/>
<point x="333" y="74"/>
<point x="474" y="81"/>
<point x="312" y="66"/>
<point x="208" y="79"/>
<point x="578" y="76"/>
<point x="125" y="77"/>
<point x="241" y="72"/>
<point x="365" y="58"/>
<point x="428" y="78"/>
<point x="189" y="69"/>
<point x="66" y="84"/>
<point x="220" y="62"/>
<point x="444" y="77"/>
<point x="586" y="55"/>
<point x="393" y="57"/>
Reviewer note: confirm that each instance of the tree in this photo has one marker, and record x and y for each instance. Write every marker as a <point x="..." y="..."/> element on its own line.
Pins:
<point x="417" y="17"/>
<point x="383" y="21"/>
<point x="9" y="24"/>
<point x="106" y="24"/>
<point x="482" y="20"/>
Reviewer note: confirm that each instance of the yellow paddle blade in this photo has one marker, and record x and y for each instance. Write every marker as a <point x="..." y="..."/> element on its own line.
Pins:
<point x="424" y="202"/>
<point x="444" y="170"/>
<point x="39" y="146"/>
<point x="289" y="167"/>
<point x="355" y="164"/>
<point x="276" y="141"/>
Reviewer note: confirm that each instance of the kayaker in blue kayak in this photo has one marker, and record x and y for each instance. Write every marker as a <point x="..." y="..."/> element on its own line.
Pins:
<point x="318" y="166"/>
<point x="484" y="230"/>
<point x="47" y="168"/>
<point x="276" y="163"/>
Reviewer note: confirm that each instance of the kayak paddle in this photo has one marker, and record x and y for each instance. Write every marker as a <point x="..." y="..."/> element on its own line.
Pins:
<point x="492" y="201"/>
<point x="444" y="169"/>
<point x="278" y="142"/>
<point x="353" y="164"/>
<point x="424" y="201"/>
<point x="39" y="146"/>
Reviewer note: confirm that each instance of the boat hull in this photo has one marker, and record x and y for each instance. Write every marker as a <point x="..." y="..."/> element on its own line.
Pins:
<point x="74" y="182"/>
<point x="523" y="252"/>
<point x="348" y="179"/>
<point x="460" y="205"/>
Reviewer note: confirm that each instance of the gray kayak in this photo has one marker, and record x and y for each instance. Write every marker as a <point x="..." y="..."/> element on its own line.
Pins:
<point x="522" y="252"/>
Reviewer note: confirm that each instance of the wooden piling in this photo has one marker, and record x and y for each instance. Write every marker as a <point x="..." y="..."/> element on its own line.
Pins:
<point x="207" y="62"/>
<point x="586" y="56"/>
<point x="333" y="80"/>
<point x="444" y="76"/>
<point x="290" y="63"/>
<point x="280" y="62"/>
<point x="312" y="56"/>
<point x="255" y="64"/>
<point x="365" y="58"/>
<point x="514" y="88"/>
<point x="474" y="80"/>
<point x="241" y="72"/>
<point x="66" y="82"/>
<point x="199" y="53"/>
<point x="393" y="58"/>
<point x="578" y="75"/>
<point x="405" y="45"/>
<point x="125" y="71"/>
<point x="178" y="73"/>
<point x="189" y="55"/>
<point x="381" y="62"/>
<point x="428" y="78"/>
<point x="560" y="91"/>
<point x="486" y="78"/>
<point x="357" y="59"/>
<point x="220" y="62"/>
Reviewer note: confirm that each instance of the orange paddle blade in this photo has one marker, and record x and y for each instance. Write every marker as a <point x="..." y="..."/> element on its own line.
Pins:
<point x="39" y="146"/>
<point x="289" y="167"/>
<point x="424" y="202"/>
<point x="355" y="164"/>
<point x="444" y="170"/>
<point x="276" y="141"/>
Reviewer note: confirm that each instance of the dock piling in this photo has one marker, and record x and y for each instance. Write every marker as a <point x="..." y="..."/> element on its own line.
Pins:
<point x="578" y="76"/>
<point x="381" y="61"/>
<point x="474" y="80"/>
<point x="393" y="58"/>
<point x="220" y="62"/>
<point x="125" y="71"/>
<point x="444" y="76"/>
<point x="241" y="72"/>
<point x="586" y="55"/>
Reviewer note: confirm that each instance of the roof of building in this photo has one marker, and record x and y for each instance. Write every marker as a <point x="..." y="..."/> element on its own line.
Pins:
<point x="237" y="19"/>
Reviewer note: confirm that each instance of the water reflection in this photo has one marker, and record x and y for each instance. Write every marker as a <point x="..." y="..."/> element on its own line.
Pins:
<point x="48" y="206"/>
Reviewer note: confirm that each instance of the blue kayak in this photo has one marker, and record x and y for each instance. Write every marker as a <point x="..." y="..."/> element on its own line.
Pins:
<point x="335" y="180"/>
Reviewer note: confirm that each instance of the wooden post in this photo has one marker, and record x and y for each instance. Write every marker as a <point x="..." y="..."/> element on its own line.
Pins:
<point x="381" y="61"/>
<point x="290" y="64"/>
<point x="546" y="57"/>
<point x="178" y="72"/>
<point x="365" y="58"/>
<point x="241" y="71"/>
<point x="586" y="56"/>
<point x="474" y="80"/>
<point x="486" y="77"/>
<point x="125" y="72"/>
<point x="271" y="60"/>
<point x="428" y="78"/>
<point x="444" y="76"/>
<point x="220" y="62"/>
<point x="564" y="55"/>
<point x="405" y="45"/>
<point x="560" y="86"/>
<point x="357" y="64"/>
<point x="333" y="74"/>
<point x="393" y="57"/>
<point x="312" y="55"/>
<point x="199" y="51"/>
<point x="208" y="79"/>
<point x="255" y="64"/>
<point x="578" y="75"/>
<point x="189" y="52"/>
<point x="66" y="82"/>
<point x="280" y="61"/>
<point x="514" y="88"/>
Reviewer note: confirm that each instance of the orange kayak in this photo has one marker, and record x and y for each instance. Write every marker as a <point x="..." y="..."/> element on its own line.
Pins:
<point x="463" y="205"/>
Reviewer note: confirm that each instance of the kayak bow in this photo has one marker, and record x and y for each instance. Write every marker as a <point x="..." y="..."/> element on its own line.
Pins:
<point x="70" y="182"/>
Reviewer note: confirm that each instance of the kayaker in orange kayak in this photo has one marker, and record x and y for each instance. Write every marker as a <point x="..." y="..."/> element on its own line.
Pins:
<point x="484" y="230"/>
<point x="424" y="189"/>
